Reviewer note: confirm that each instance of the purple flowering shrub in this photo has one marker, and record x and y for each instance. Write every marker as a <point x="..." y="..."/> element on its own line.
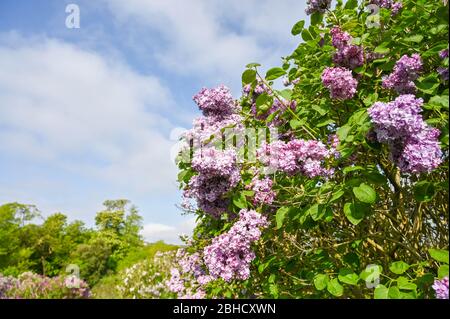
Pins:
<point x="33" y="286"/>
<point x="147" y="279"/>
<point x="341" y="191"/>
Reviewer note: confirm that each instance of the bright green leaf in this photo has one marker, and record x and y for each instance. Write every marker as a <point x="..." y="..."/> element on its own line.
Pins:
<point x="347" y="276"/>
<point x="365" y="193"/>
<point x="398" y="267"/>
<point x="443" y="271"/>
<point x="354" y="213"/>
<point x="274" y="73"/>
<point x="320" y="281"/>
<point x="298" y="27"/>
<point x="335" y="288"/>
<point x="248" y="76"/>
<point x="280" y="216"/>
<point x="381" y="292"/>
<point x="405" y="283"/>
<point x="440" y="255"/>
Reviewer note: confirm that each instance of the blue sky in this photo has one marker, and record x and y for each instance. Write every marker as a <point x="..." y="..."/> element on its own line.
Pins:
<point x="88" y="114"/>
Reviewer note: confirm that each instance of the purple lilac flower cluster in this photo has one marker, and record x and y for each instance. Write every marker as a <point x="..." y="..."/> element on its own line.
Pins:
<point x="219" y="111"/>
<point x="188" y="276"/>
<point x="441" y="288"/>
<point x="347" y="55"/>
<point x="340" y="82"/>
<point x="443" y="70"/>
<point x="317" y="6"/>
<point x="406" y="71"/>
<point x="218" y="173"/>
<point x="33" y="286"/>
<point x="389" y="4"/>
<point x="206" y="127"/>
<point x="263" y="190"/>
<point x="414" y="145"/>
<point x="217" y="102"/>
<point x="296" y="157"/>
<point x="7" y="284"/>
<point x="229" y="255"/>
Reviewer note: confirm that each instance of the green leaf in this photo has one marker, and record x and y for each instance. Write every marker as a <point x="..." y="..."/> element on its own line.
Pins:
<point x="440" y="100"/>
<point x="443" y="271"/>
<point x="298" y="27"/>
<point x="370" y="99"/>
<point x="394" y="293"/>
<point x="342" y="132"/>
<point x="316" y="212"/>
<point x="252" y="65"/>
<point x="240" y="201"/>
<point x="316" y="18"/>
<point x="365" y="193"/>
<point x="320" y="281"/>
<point x="273" y="290"/>
<point x="262" y="99"/>
<point x="336" y="195"/>
<point x="335" y="288"/>
<point x="351" y="4"/>
<point x="286" y="93"/>
<point x="424" y="191"/>
<point x="325" y="123"/>
<point x="248" y="76"/>
<point x="383" y="48"/>
<point x="381" y="292"/>
<point x="295" y="124"/>
<point x="405" y="283"/>
<point x="280" y="216"/>
<point x="440" y="255"/>
<point x="354" y="213"/>
<point x="428" y="84"/>
<point x="347" y="276"/>
<point x="417" y="38"/>
<point x="349" y="169"/>
<point x="398" y="267"/>
<point x="274" y="73"/>
<point x="306" y="36"/>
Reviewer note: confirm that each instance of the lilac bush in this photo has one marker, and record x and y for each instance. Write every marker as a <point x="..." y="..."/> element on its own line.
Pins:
<point x="350" y="171"/>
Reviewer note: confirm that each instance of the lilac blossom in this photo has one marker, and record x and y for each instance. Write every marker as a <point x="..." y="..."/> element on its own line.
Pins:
<point x="443" y="72"/>
<point x="229" y="256"/>
<point x="317" y="6"/>
<point x="296" y="157"/>
<point x="263" y="190"/>
<point x="217" y="102"/>
<point x="405" y="72"/>
<point x="389" y="4"/>
<point x="413" y="143"/>
<point x="441" y="288"/>
<point x="347" y="55"/>
<point x="443" y="54"/>
<point x="218" y="174"/>
<point x="340" y="82"/>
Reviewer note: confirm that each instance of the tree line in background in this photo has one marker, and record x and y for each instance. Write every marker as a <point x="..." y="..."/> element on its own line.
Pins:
<point x="59" y="248"/>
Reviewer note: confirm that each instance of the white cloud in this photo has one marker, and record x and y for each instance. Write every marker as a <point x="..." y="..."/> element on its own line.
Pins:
<point x="170" y="234"/>
<point x="85" y="113"/>
<point x="213" y="38"/>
